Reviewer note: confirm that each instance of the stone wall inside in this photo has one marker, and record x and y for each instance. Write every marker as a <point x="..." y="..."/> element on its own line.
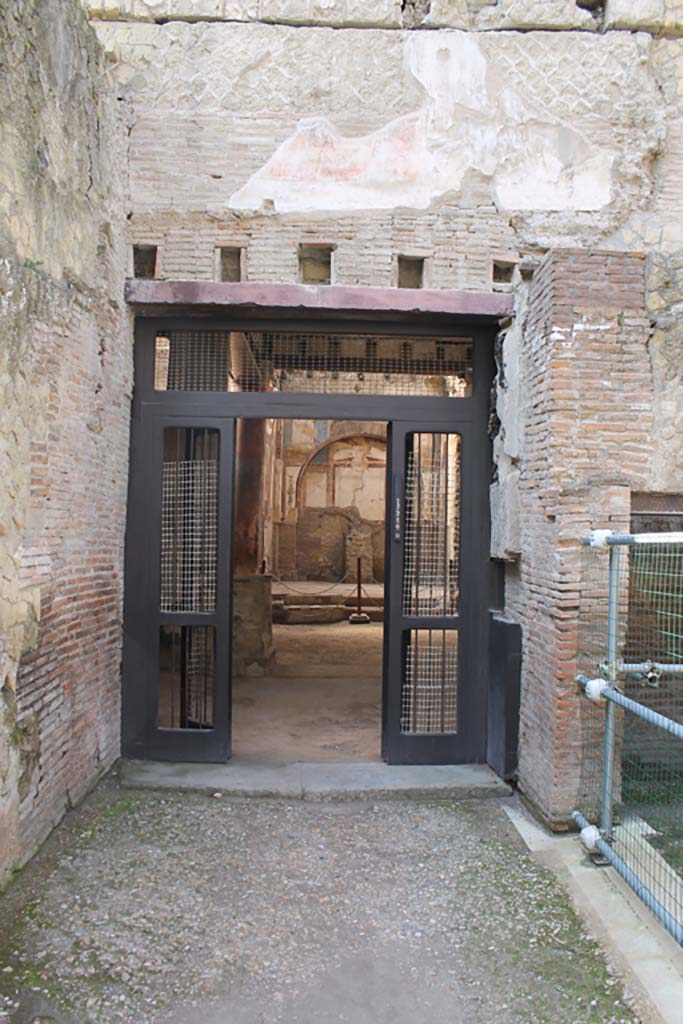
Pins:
<point x="469" y="133"/>
<point x="65" y="386"/>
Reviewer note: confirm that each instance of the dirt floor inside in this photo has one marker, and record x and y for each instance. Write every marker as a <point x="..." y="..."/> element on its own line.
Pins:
<point x="321" y="701"/>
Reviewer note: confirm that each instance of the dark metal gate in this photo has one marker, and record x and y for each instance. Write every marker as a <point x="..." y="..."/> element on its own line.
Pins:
<point x="435" y="706"/>
<point x="193" y="380"/>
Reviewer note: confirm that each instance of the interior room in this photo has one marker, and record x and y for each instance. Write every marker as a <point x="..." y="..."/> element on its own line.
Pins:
<point x="308" y="589"/>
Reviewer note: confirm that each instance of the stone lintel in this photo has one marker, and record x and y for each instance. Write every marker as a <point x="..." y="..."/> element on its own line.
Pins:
<point x="171" y="297"/>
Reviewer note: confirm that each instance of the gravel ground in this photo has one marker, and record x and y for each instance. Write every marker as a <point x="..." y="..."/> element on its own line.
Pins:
<point x="158" y="908"/>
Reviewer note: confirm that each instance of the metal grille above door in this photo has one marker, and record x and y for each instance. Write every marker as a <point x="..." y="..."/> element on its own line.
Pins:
<point x="351" y="364"/>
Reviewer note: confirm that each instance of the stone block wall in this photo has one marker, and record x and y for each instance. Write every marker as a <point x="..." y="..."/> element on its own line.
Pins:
<point x="461" y="14"/>
<point x="65" y="387"/>
<point x="479" y="15"/>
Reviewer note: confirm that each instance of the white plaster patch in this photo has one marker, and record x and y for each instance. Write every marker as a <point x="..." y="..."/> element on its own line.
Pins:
<point x="468" y="122"/>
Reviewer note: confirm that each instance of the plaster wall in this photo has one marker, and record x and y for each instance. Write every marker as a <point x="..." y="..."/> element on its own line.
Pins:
<point x="65" y="384"/>
<point x="379" y="141"/>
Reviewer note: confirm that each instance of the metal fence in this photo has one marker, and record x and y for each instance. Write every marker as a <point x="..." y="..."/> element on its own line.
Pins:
<point x="630" y="668"/>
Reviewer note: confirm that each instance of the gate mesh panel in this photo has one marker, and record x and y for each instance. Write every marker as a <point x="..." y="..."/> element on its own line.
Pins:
<point x="313" y="363"/>
<point x="189" y="509"/>
<point x="186" y="678"/>
<point x="430" y="682"/>
<point x="432" y="518"/>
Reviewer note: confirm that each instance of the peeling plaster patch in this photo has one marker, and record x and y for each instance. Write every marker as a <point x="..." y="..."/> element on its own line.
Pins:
<point x="467" y="123"/>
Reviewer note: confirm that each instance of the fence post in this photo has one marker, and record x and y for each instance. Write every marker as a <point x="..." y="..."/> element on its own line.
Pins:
<point x="606" y="820"/>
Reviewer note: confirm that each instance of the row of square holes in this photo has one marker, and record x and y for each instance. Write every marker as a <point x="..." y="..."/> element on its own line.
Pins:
<point x="315" y="266"/>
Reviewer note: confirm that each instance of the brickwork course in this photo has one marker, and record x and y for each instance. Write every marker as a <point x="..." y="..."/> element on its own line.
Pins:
<point x="547" y="134"/>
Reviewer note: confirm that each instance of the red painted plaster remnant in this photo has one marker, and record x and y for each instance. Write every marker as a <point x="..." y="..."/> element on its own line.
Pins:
<point x="469" y="121"/>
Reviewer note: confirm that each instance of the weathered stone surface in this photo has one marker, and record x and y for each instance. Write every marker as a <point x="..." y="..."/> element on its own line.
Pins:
<point x="659" y="16"/>
<point x="451" y="14"/>
<point x="657" y="229"/>
<point x="651" y="15"/>
<point x="316" y="614"/>
<point x="529" y="14"/>
<point x="666" y="352"/>
<point x="510" y="14"/>
<point x="331" y="12"/>
<point x="252" y="625"/>
<point x="65" y="382"/>
<point x="381" y="13"/>
<point x="506" y="513"/>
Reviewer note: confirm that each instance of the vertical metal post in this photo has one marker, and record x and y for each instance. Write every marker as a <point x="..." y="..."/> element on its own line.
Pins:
<point x="359" y="615"/>
<point x="606" y="822"/>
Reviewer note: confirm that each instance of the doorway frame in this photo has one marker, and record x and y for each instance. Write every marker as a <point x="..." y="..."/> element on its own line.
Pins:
<point x="205" y="408"/>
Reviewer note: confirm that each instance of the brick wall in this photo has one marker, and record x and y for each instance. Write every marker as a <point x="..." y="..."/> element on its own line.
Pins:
<point x="65" y="386"/>
<point x="587" y="415"/>
<point x="366" y="245"/>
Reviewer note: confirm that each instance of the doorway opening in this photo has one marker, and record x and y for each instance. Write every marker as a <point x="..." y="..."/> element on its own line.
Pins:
<point x="272" y="472"/>
<point x="309" y="544"/>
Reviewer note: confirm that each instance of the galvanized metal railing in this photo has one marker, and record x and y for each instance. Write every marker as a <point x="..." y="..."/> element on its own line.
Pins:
<point x="630" y="662"/>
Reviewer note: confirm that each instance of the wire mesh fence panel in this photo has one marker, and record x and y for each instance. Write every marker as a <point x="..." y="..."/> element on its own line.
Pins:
<point x="648" y="831"/>
<point x="644" y="664"/>
<point x="653" y="649"/>
<point x="258" y="361"/>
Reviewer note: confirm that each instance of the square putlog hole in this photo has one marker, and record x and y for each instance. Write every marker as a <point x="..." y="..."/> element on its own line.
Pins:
<point x="230" y="263"/>
<point x="144" y="261"/>
<point x="411" y="271"/>
<point x="315" y="264"/>
<point x="502" y="272"/>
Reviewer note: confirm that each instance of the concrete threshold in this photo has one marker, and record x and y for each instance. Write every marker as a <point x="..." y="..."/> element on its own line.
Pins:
<point x="313" y="781"/>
